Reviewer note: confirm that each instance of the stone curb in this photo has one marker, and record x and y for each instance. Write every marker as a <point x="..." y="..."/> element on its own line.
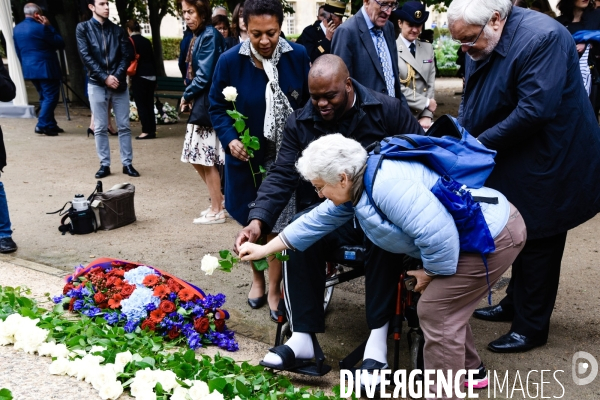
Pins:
<point x="33" y="265"/>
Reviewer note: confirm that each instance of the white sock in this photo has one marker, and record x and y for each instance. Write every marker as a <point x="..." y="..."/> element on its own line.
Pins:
<point x="300" y="343"/>
<point x="376" y="349"/>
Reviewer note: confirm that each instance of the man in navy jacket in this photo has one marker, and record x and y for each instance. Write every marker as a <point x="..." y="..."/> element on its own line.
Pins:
<point x="36" y="43"/>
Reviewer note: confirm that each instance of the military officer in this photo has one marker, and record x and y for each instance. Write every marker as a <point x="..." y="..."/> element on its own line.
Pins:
<point x="416" y="65"/>
<point x="317" y="37"/>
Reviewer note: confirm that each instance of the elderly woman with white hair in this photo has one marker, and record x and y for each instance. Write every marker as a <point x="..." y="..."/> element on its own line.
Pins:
<point x="452" y="282"/>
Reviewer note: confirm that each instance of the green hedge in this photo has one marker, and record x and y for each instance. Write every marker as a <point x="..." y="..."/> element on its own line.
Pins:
<point x="2" y="52"/>
<point x="170" y="47"/>
<point x="451" y="72"/>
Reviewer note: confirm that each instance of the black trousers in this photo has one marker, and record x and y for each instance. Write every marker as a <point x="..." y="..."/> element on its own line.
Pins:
<point x="304" y="280"/>
<point x="533" y="287"/>
<point x="143" y="95"/>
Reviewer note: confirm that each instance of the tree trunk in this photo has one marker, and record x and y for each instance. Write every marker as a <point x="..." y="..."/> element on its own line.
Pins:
<point x="157" y="9"/>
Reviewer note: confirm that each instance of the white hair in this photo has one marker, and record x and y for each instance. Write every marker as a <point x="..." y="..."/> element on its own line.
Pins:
<point x="331" y="156"/>
<point x="216" y="10"/>
<point x="31" y="9"/>
<point x="477" y="12"/>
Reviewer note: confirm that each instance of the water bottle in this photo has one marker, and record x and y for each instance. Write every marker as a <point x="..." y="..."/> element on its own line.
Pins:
<point x="80" y="203"/>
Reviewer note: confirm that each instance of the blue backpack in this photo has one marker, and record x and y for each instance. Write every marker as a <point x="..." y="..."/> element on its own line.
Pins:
<point x="461" y="161"/>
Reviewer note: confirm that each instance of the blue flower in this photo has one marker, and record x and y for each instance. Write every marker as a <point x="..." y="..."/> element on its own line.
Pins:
<point x="78" y="305"/>
<point x="131" y="325"/>
<point x="151" y="307"/>
<point x="135" y="306"/>
<point x="172" y="296"/>
<point x="57" y="299"/>
<point x="111" y="318"/>
<point x="92" y="312"/>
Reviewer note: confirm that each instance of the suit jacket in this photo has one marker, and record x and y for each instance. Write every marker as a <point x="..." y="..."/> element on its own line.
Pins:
<point x="36" y="46"/>
<point x="353" y="43"/>
<point x="424" y="67"/>
<point x="314" y="40"/>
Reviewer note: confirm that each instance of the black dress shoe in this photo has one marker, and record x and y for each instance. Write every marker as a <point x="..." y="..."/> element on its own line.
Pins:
<point x="46" y="131"/>
<point x="41" y="131"/>
<point x="7" y="245"/>
<point x="513" y="342"/>
<point x="274" y="316"/>
<point x="257" y="302"/>
<point x="104" y="171"/>
<point x="148" y="136"/>
<point x="494" y="313"/>
<point x="129" y="170"/>
<point x="58" y="129"/>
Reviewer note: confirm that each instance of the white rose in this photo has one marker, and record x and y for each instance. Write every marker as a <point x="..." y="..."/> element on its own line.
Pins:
<point x="77" y="353"/>
<point x="73" y="367"/>
<point x="209" y="264"/>
<point x="104" y="375"/>
<point x="199" y="390"/>
<point x="59" y="366"/>
<point x="30" y="338"/>
<point x="97" y="349"/>
<point x="167" y="379"/>
<point x="122" y="359"/>
<point x="147" y="394"/>
<point x="230" y="93"/>
<point x="46" y="349"/>
<point x="60" y="350"/>
<point x="214" y="396"/>
<point x="111" y="390"/>
<point x="180" y="393"/>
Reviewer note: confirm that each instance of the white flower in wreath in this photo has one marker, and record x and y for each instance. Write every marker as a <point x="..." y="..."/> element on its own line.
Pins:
<point x="199" y="390"/>
<point x="167" y="379"/>
<point x="122" y="359"/>
<point x="230" y="93"/>
<point x="209" y="264"/>
<point x="59" y="366"/>
<point x="112" y="390"/>
<point x="180" y="393"/>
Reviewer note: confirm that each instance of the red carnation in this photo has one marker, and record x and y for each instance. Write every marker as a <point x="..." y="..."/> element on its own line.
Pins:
<point x="186" y="294"/>
<point x="161" y="291"/>
<point x="114" y="281"/>
<point x="173" y="333"/>
<point x="117" y="272"/>
<point x="157" y="315"/>
<point x="150" y="324"/>
<point x="126" y="290"/>
<point x="68" y="287"/>
<point x="173" y="285"/>
<point x="115" y="302"/>
<point x="167" y="306"/>
<point x="99" y="298"/>
<point x="219" y="325"/>
<point x="201" y="325"/>
<point x="150" y="280"/>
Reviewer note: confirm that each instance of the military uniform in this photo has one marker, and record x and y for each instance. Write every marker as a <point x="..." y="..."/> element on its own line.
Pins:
<point x="417" y="76"/>
<point x="314" y="40"/>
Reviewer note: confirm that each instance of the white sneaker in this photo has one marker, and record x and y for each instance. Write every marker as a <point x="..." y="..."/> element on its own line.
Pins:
<point x="209" y="219"/>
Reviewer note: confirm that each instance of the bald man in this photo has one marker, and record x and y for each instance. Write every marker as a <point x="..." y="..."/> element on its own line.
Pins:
<point x="338" y="104"/>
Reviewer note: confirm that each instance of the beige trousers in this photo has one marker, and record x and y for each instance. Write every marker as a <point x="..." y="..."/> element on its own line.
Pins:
<point x="448" y="302"/>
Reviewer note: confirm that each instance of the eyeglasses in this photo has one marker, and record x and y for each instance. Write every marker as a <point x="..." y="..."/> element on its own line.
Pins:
<point x="471" y="44"/>
<point x="319" y="190"/>
<point x="387" y="6"/>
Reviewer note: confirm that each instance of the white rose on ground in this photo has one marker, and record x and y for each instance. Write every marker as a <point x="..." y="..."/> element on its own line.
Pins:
<point x="146" y="395"/>
<point x="30" y="338"/>
<point x="73" y="367"/>
<point x="167" y="379"/>
<point x="77" y="353"/>
<point x="59" y="366"/>
<point x="122" y="359"/>
<point x="230" y="93"/>
<point x="97" y="349"/>
<point x="46" y="349"/>
<point x="60" y="350"/>
<point x="209" y="264"/>
<point x="199" y="390"/>
<point x="111" y="390"/>
<point x="180" y="393"/>
<point x="104" y="375"/>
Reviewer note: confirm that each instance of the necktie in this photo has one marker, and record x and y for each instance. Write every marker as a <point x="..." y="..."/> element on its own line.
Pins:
<point x="384" y="59"/>
<point x="413" y="49"/>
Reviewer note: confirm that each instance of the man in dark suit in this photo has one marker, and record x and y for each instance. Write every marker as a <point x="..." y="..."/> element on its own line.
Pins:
<point x="317" y="37"/>
<point x="36" y="43"/>
<point x="367" y="44"/>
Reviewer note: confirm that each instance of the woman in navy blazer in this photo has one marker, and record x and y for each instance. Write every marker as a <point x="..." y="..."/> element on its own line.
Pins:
<point x="242" y="68"/>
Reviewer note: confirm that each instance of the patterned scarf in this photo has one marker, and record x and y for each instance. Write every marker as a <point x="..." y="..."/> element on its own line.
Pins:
<point x="189" y="75"/>
<point x="278" y="106"/>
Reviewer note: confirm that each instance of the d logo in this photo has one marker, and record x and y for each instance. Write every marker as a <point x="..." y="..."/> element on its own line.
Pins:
<point x="589" y="366"/>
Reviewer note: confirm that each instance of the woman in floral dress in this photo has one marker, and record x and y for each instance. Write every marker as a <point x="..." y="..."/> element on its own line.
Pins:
<point x="201" y="147"/>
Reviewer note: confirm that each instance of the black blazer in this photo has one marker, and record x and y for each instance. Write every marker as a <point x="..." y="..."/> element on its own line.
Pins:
<point x="146" y="64"/>
<point x="7" y="93"/>
<point x="315" y="41"/>
<point x="353" y="43"/>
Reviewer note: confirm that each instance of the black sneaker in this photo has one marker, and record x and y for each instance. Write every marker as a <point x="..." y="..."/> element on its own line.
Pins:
<point x="7" y="245"/>
<point x="480" y="379"/>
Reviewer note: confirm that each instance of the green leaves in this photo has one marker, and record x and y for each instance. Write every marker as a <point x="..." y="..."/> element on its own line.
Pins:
<point x="12" y="300"/>
<point x="5" y="394"/>
<point x="261" y="264"/>
<point x="228" y="260"/>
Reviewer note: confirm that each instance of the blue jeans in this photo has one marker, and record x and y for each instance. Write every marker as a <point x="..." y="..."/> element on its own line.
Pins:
<point x="5" y="231"/>
<point x="99" y="97"/>
<point x="48" y="90"/>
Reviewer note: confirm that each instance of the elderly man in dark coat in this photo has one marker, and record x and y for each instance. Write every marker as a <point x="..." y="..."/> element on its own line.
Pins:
<point x="524" y="97"/>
